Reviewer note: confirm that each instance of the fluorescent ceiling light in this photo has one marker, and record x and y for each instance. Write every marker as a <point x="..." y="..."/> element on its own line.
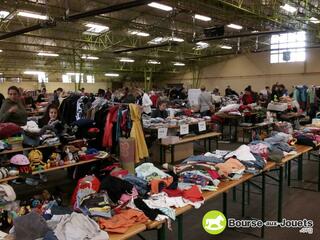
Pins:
<point x="288" y="8"/>
<point x="73" y="73"/>
<point x="225" y="47"/>
<point x="96" y="28"/>
<point x="1" y="50"/>
<point x="32" y="15"/>
<point x="234" y="26"/>
<point x="89" y="57"/>
<point x="48" y="54"/>
<point x="112" y="74"/>
<point x="255" y="31"/>
<point x="126" y="60"/>
<point x="157" y="40"/>
<point x="153" y="62"/>
<point x="33" y="72"/>
<point x="202" y="18"/>
<point x="160" y="6"/>
<point x="139" y="33"/>
<point x="201" y="45"/>
<point x="314" y="20"/>
<point x="1" y="73"/>
<point x="178" y="64"/>
<point x="175" y="39"/>
<point x="4" y="14"/>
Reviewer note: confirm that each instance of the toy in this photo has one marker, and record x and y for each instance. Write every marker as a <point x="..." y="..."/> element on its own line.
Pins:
<point x="35" y="157"/>
<point x="54" y="160"/>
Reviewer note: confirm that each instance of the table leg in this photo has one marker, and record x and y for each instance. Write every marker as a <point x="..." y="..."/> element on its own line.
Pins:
<point x="318" y="171"/>
<point x="180" y="227"/>
<point x="286" y="170"/>
<point x="224" y="202"/>
<point x="161" y="232"/>
<point x="172" y="154"/>
<point x="209" y="140"/>
<point x="300" y="167"/>
<point x="280" y="194"/>
<point x="248" y="194"/>
<point x="243" y="199"/>
<point x="289" y="173"/>
<point x="236" y="132"/>
<point x="263" y="202"/>
<point x="217" y="143"/>
<point x="164" y="155"/>
<point x="161" y="155"/>
<point x="234" y="194"/>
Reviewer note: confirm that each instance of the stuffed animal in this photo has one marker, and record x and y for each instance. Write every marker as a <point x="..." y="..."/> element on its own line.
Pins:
<point x="36" y="163"/>
<point x="54" y="160"/>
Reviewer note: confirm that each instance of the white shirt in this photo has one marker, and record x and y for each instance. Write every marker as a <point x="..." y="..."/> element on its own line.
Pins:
<point x="146" y="103"/>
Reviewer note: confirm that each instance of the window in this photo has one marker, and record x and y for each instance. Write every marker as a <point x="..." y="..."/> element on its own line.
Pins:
<point x="76" y="77"/>
<point x="288" y="47"/>
<point x="90" y="79"/>
<point x="42" y="77"/>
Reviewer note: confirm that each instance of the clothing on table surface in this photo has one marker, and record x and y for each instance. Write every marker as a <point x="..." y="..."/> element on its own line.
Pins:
<point x="193" y="194"/>
<point x="89" y="182"/>
<point x="76" y="226"/>
<point x="155" y="184"/>
<point x="202" y="158"/>
<point x="126" y="197"/>
<point x="148" y="171"/>
<point x="115" y="187"/>
<point x="18" y="117"/>
<point x="30" y="226"/>
<point x="141" y="150"/>
<point x="96" y="204"/>
<point x="121" y="222"/>
<point x="260" y="148"/>
<point x="152" y="214"/>
<point x="217" y="153"/>
<point x="146" y="103"/>
<point x="277" y="137"/>
<point x="241" y="153"/>
<point x="157" y="113"/>
<point x="232" y="165"/>
<point x="140" y="184"/>
<point x="198" y="178"/>
<point x="205" y="101"/>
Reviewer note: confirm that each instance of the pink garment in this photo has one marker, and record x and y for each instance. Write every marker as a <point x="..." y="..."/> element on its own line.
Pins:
<point x="260" y="149"/>
<point x="127" y="197"/>
<point x="232" y="165"/>
<point x="214" y="174"/>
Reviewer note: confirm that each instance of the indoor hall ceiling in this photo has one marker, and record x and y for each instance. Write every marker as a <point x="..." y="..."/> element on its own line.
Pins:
<point x="65" y="33"/>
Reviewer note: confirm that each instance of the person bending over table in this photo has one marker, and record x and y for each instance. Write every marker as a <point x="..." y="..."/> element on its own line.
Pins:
<point x="161" y="110"/>
<point x="12" y="109"/>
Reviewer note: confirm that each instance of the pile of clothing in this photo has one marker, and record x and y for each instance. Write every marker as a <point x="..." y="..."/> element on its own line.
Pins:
<point x="309" y="136"/>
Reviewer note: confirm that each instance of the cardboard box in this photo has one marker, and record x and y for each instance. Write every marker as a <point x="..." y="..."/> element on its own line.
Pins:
<point x="170" y="140"/>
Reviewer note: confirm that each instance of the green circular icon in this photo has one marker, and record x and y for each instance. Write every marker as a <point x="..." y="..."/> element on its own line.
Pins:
<point x="214" y="222"/>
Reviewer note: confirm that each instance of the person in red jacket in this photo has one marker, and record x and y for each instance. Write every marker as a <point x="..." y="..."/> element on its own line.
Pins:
<point x="248" y="97"/>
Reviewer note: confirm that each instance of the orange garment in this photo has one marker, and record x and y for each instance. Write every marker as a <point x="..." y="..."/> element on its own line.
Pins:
<point x="121" y="222"/>
<point x="155" y="183"/>
<point x="232" y="165"/>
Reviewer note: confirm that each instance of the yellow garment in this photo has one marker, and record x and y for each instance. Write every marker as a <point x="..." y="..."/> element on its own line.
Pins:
<point x="137" y="133"/>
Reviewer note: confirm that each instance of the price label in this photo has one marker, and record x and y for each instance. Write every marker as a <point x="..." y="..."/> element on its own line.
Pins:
<point x="184" y="129"/>
<point x="162" y="132"/>
<point x="202" y="126"/>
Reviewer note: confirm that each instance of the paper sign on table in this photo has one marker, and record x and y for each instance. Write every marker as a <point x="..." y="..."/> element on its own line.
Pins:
<point x="184" y="129"/>
<point x="162" y="132"/>
<point x="202" y="126"/>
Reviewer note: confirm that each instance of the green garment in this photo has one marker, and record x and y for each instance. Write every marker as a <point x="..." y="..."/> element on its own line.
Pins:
<point x="19" y="117"/>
